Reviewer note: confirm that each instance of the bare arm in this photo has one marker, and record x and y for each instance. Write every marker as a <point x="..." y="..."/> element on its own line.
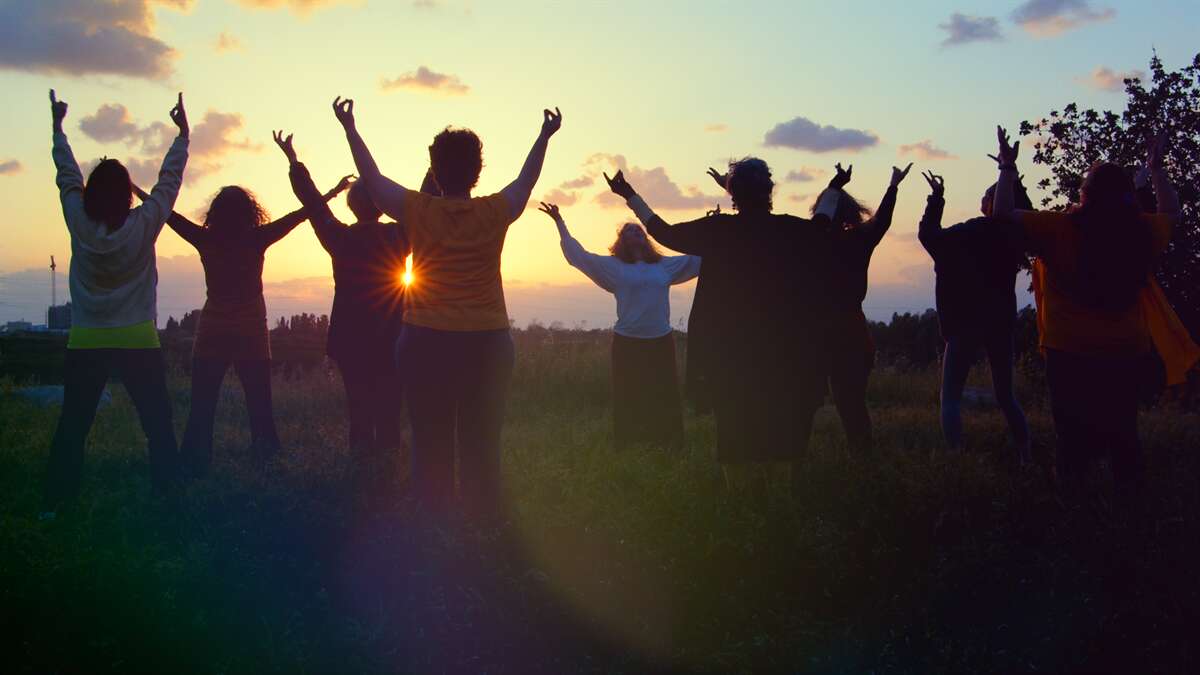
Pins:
<point x="1003" y="203"/>
<point x="877" y="226"/>
<point x="272" y="232"/>
<point x="930" y="230"/>
<point x="691" y="238"/>
<point x="387" y="194"/>
<point x="517" y="192"/>
<point x="328" y="228"/>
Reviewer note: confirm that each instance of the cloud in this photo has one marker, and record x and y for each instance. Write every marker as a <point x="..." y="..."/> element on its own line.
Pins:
<point x="802" y="133"/>
<point x="1047" y="18"/>
<point x="111" y="122"/>
<point x="424" y="79"/>
<point x="964" y="29"/>
<point x="800" y="199"/>
<point x="561" y="198"/>
<point x="301" y="7"/>
<point x="227" y="43"/>
<point x="425" y="4"/>
<point x="803" y="175"/>
<point x="1106" y="79"/>
<point x="9" y="167"/>
<point x="925" y="150"/>
<point x="83" y="37"/>
<point x="654" y="185"/>
<point x="576" y="183"/>
<point x="717" y="128"/>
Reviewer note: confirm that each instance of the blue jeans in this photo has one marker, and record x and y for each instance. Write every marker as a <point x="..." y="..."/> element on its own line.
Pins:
<point x="457" y="388"/>
<point x="956" y="365"/>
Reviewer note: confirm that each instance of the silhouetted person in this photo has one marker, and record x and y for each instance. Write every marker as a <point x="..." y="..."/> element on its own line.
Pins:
<point x="852" y="354"/>
<point x="232" y="329"/>
<point x="645" y="380"/>
<point x="976" y="265"/>
<point x="368" y="263"/>
<point x="762" y="281"/>
<point x="455" y="349"/>
<point x="113" y="306"/>
<point x="1094" y="262"/>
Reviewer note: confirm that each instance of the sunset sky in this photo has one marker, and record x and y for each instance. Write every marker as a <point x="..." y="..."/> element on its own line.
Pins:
<point x="662" y="89"/>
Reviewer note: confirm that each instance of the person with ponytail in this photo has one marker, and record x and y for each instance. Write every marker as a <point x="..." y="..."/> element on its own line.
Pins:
<point x="1094" y="263"/>
<point x="114" y="280"/>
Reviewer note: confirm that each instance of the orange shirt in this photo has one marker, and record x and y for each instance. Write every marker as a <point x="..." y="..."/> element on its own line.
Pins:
<point x="1064" y="323"/>
<point x="456" y="245"/>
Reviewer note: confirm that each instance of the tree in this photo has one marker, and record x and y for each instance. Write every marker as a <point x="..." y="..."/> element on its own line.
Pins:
<point x="1071" y="140"/>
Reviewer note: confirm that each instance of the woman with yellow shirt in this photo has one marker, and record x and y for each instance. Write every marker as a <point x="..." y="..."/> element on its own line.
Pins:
<point x="454" y="353"/>
<point x="1094" y="263"/>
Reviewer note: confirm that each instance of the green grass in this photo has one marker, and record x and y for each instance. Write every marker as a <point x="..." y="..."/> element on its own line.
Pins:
<point x="614" y="561"/>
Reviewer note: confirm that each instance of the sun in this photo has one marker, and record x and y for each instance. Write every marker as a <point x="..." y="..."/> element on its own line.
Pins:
<point x="406" y="277"/>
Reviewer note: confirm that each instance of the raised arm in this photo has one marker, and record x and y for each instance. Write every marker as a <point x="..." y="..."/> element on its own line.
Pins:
<point x="1168" y="199"/>
<point x="878" y="225"/>
<point x="68" y="177"/>
<point x="186" y="229"/>
<point x="1003" y="203"/>
<point x="328" y="228"/>
<point x="930" y="230"/>
<point x="517" y="192"/>
<point x="274" y="231"/>
<point x="387" y="194"/>
<point x="691" y="238"/>
<point x="600" y="269"/>
<point x="157" y="207"/>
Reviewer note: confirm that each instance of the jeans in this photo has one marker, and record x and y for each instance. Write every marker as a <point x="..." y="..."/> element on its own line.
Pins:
<point x="457" y="388"/>
<point x="86" y="371"/>
<point x="1094" y="402"/>
<point x="956" y="365"/>
<point x="207" y="375"/>
<point x="645" y="382"/>
<point x="373" y="400"/>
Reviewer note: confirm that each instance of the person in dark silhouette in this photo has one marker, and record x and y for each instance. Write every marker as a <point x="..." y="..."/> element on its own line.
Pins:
<point x="853" y="351"/>
<point x="645" y="381"/>
<point x="232" y="329"/>
<point x="1093" y="267"/>
<point x="976" y="265"/>
<point x="455" y="349"/>
<point x="113" y="281"/>
<point x="368" y="259"/>
<point x="762" y="284"/>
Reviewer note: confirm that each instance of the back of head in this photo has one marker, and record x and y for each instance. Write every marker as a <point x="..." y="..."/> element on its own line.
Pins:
<point x="361" y="205"/>
<point x="633" y="245"/>
<point x="1115" y="255"/>
<point x="234" y="211"/>
<point x="109" y="194"/>
<point x="456" y="157"/>
<point x="1021" y="200"/>
<point x="850" y="212"/>
<point x="750" y="185"/>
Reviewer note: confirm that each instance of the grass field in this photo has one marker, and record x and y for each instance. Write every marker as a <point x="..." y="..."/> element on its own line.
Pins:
<point x="636" y="561"/>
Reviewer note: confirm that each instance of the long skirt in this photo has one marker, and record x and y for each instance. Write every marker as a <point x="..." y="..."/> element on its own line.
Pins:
<point x="646" y="401"/>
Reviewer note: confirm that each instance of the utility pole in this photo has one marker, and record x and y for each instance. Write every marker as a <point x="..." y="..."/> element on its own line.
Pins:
<point x="53" y="283"/>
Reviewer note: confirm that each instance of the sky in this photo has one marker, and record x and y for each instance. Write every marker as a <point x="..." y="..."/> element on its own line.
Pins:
<point x="663" y="90"/>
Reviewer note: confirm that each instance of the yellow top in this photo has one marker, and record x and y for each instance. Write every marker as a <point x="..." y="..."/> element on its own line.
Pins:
<point x="137" y="336"/>
<point x="456" y="245"/>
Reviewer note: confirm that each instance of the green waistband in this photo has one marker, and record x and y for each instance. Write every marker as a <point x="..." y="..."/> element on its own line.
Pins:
<point x="138" y="336"/>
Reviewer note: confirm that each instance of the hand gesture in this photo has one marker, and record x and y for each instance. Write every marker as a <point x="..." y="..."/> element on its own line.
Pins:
<point x="722" y="179"/>
<point x="343" y="110"/>
<point x="342" y="184"/>
<point x="285" y="144"/>
<point x="550" y="210"/>
<point x="179" y="117"/>
<point x="620" y="186"/>
<point x="842" y="177"/>
<point x="1155" y="146"/>
<point x="898" y="176"/>
<point x="58" y="109"/>
<point x="551" y="122"/>
<point x="937" y="185"/>
<point x="1007" y="155"/>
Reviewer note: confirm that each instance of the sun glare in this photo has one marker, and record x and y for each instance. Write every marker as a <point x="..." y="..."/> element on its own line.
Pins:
<point x="406" y="277"/>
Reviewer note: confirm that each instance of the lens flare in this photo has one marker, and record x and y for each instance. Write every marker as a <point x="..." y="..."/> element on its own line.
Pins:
<point x="406" y="277"/>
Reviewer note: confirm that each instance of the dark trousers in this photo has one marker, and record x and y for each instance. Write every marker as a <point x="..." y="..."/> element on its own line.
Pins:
<point x="645" y="384"/>
<point x="849" y="370"/>
<point x="956" y="365"/>
<point x="457" y="388"/>
<point x="86" y="371"/>
<point x="373" y="398"/>
<point x="1094" y="401"/>
<point x="207" y="375"/>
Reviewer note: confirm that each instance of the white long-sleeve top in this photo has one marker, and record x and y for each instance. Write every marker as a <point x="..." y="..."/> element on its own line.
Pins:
<point x="114" y="277"/>
<point x="643" y="290"/>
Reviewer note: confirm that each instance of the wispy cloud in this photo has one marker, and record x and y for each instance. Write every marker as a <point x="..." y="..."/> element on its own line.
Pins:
<point x="1107" y="79"/>
<point x="424" y="79"/>
<point x="964" y="29"/>
<point x="227" y="42"/>
<point x="802" y="133"/>
<point x="925" y="150"/>
<point x="9" y="167"/>
<point x="1048" y="18"/>
<point x="301" y="7"/>
<point x="803" y="175"/>
<point x="658" y="189"/>
<point x="716" y="128"/>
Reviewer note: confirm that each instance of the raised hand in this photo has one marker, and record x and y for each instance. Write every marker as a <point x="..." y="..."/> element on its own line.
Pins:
<point x="1155" y="147"/>
<point x="620" y="186"/>
<point x="898" y="176"/>
<point x="343" y="110"/>
<point x="285" y="144"/>
<point x="343" y="184"/>
<point x="722" y="179"/>
<point x="937" y="185"/>
<point x="551" y="122"/>
<point x="550" y="210"/>
<point x="1007" y="155"/>
<point x="842" y="177"/>
<point x="179" y="117"/>
<point x="58" y="109"/>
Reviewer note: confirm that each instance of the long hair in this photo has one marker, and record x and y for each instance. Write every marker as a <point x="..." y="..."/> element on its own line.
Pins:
<point x="108" y="195"/>
<point x="235" y="211"/>
<point x="456" y="157"/>
<point x="627" y="249"/>
<point x="750" y="185"/>
<point x="850" y="212"/>
<point x="1115" y="255"/>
